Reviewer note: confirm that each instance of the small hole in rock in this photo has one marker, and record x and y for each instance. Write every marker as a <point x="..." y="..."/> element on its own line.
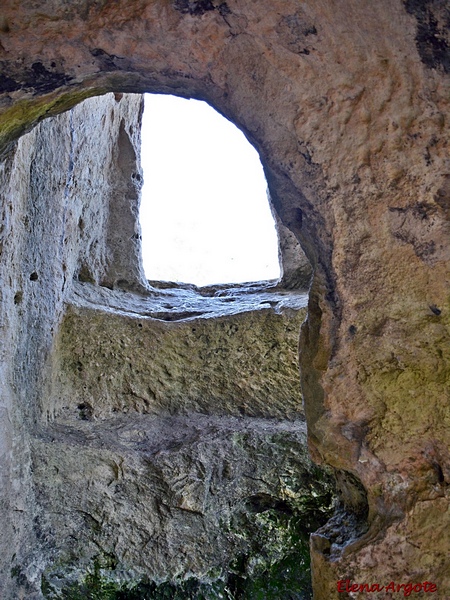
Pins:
<point x="435" y="310"/>
<point x="123" y="284"/>
<point x="86" y="411"/>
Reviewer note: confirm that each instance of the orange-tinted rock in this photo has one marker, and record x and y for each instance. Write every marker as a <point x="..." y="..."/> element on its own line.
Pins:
<point x="348" y="106"/>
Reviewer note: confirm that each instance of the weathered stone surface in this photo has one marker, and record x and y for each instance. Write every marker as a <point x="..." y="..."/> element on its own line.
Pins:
<point x="296" y="272"/>
<point x="175" y="497"/>
<point x="119" y="353"/>
<point x="56" y="185"/>
<point x="348" y="106"/>
<point x="103" y="344"/>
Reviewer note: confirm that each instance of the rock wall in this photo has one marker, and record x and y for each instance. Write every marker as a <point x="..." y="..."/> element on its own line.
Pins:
<point x="348" y="106"/>
<point x="210" y="358"/>
<point x="171" y="417"/>
<point x="51" y="234"/>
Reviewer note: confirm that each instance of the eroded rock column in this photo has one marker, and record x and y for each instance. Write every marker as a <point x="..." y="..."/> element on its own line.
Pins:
<point x="55" y="218"/>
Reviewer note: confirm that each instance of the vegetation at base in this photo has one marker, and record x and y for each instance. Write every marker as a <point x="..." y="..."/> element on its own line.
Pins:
<point x="282" y="582"/>
<point x="276" y="566"/>
<point x="273" y="562"/>
<point x="95" y="587"/>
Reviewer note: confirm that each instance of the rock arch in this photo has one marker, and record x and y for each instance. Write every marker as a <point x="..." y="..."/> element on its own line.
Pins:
<point x="348" y="109"/>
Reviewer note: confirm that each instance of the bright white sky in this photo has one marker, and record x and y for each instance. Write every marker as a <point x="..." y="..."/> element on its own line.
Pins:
<point x="205" y="216"/>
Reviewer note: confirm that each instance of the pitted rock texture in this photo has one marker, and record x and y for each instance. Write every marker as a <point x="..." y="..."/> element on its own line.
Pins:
<point x="348" y="106"/>
<point x="168" y="498"/>
<point x="99" y="342"/>
<point x="158" y="355"/>
<point x="55" y="190"/>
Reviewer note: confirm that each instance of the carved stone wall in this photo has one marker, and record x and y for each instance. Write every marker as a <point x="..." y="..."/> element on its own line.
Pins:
<point x="166" y="437"/>
<point x="348" y="105"/>
<point x="56" y="188"/>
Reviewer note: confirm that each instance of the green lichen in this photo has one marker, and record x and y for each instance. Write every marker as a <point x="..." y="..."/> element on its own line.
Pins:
<point x="98" y="587"/>
<point x="272" y="563"/>
<point x="24" y="114"/>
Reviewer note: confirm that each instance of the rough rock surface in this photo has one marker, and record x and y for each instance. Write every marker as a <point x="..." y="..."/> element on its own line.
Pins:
<point x="296" y="272"/>
<point x="192" y="393"/>
<point x="348" y="105"/>
<point x="171" y="498"/>
<point x="119" y="353"/>
<point x="56" y="185"/>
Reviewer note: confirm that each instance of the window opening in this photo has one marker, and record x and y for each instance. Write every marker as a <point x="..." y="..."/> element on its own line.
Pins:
<point x="205" y="216"/>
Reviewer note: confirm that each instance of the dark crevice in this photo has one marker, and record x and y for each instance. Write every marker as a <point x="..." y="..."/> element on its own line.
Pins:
<point x="350" y="520"/>
<point x="179" y="316"/>
<point x="107" y="61"/>
<point x="264" y="502"/>
<point x="200" y="7"/>
<point x="433" y="26"/>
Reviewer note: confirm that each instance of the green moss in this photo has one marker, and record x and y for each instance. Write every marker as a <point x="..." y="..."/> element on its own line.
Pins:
<point x="275" y="568"/>
<point x="47" y="589"/>
<point x="24" y="114"/>
<point x="273" y="562"/>
<point x="277" y="565"/>
<point x="288" y="578"/>
<point x="18" y="575"/>
<point x="191" y="589"/>
<point x="97" y="587"/>
<point x="15" y="572"/>
<point x="269" y="534"/>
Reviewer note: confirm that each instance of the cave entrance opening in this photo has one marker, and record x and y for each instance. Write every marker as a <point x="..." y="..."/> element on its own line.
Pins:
<point x="205" y="216"/>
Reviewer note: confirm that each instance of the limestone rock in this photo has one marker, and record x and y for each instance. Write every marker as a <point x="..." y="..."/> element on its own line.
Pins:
<point x="179" y="352"/>
<point x="197" y="387"/>
<point x="349" y="111"/>
<point x="173" y="498"/>
<point x="56" y="185"/>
